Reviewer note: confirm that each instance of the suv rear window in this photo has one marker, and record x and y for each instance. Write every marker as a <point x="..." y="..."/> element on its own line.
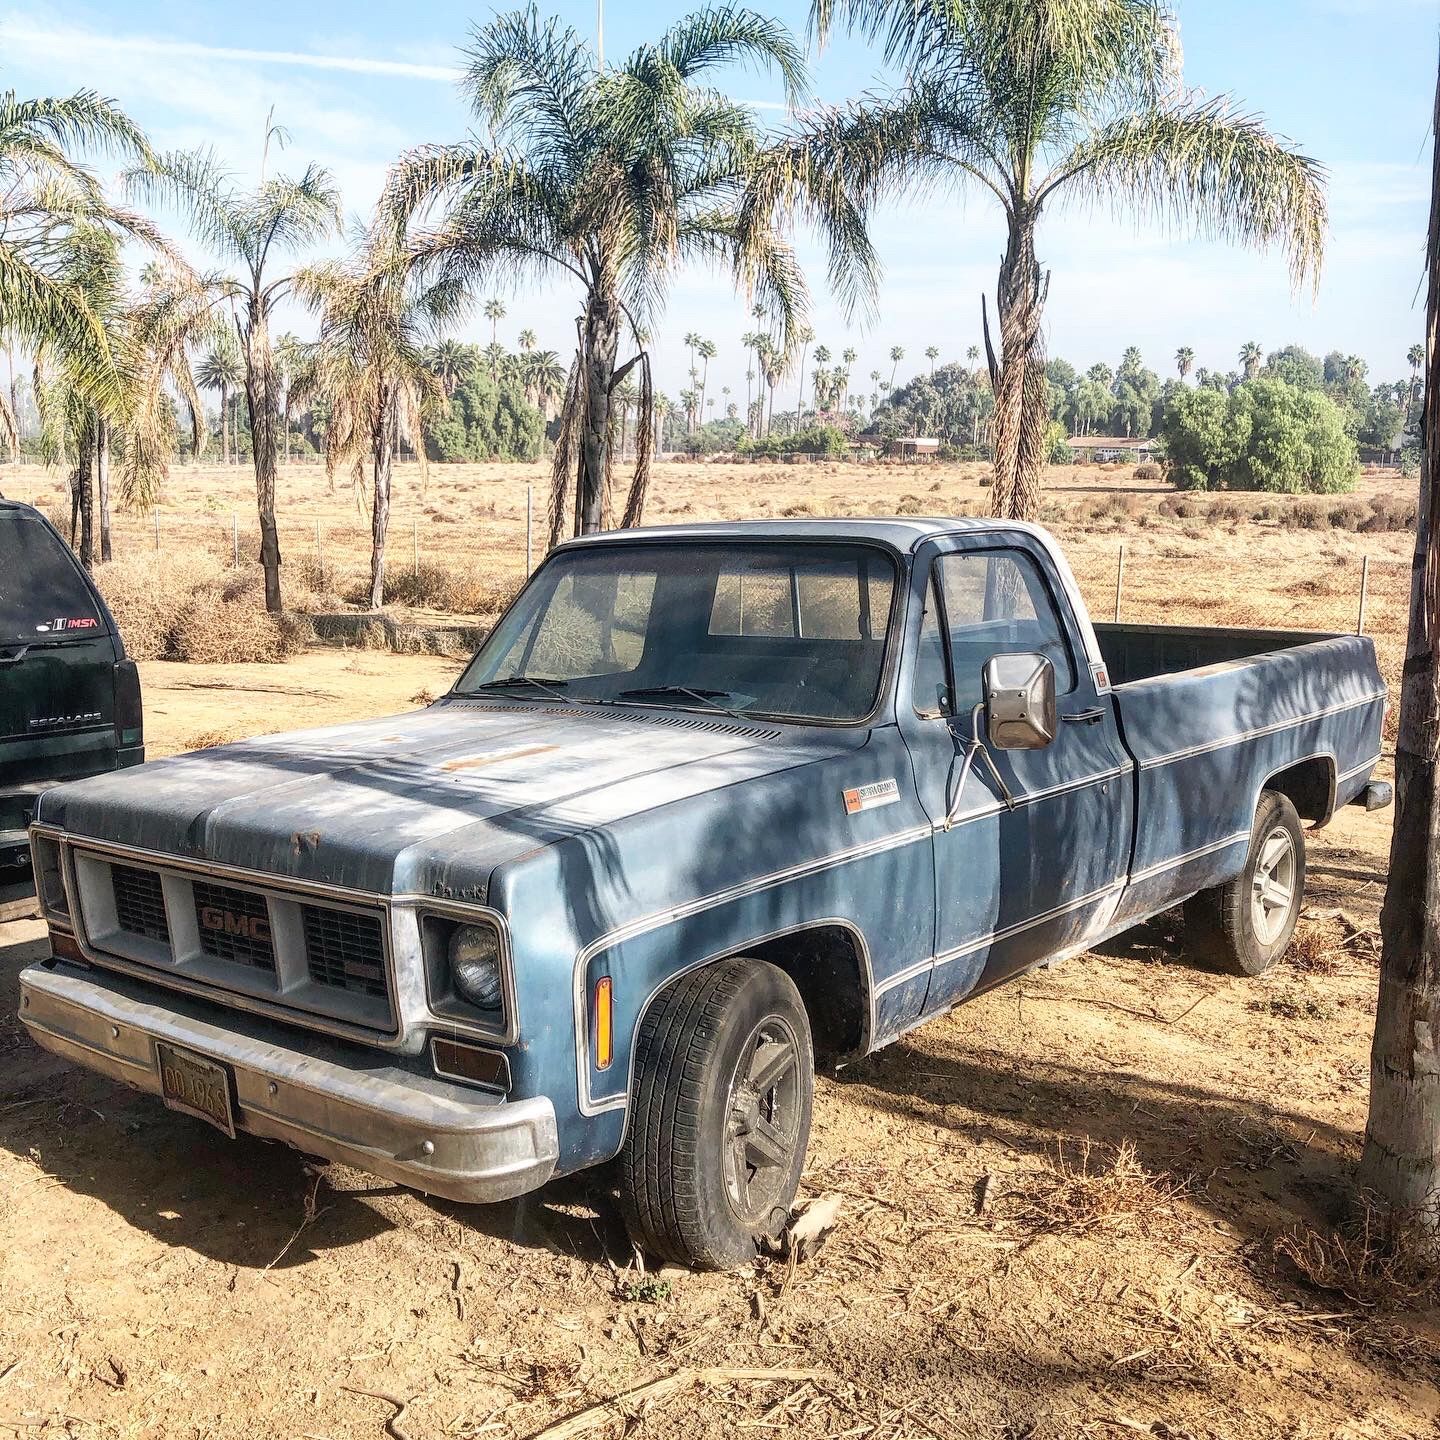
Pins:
<point x="43" y="593"/>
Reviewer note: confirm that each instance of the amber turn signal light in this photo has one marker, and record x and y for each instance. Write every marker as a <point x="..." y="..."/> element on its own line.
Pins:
<point x="604" y="1024"/>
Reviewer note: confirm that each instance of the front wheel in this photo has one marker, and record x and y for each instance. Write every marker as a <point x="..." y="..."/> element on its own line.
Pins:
<point x="719" y="1115"/>
<point x="1244" y="926"/>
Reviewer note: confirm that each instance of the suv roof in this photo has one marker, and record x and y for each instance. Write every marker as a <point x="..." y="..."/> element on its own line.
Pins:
<point x="900" y="532"/>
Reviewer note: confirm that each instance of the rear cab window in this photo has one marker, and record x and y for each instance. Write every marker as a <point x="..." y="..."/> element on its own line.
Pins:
<point x="43" y="593"/>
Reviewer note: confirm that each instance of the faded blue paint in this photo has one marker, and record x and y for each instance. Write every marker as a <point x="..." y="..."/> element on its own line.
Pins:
<point x="636" y="842"/>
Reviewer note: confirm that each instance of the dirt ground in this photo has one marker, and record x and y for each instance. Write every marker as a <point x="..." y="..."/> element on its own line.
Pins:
<point x="1061" y="1208"/>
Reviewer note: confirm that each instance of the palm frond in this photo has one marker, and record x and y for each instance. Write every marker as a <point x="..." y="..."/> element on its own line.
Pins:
<point x="1200" y="165"/>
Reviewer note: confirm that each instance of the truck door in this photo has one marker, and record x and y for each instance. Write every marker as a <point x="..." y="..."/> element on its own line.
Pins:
<point x="1014" y="883"/>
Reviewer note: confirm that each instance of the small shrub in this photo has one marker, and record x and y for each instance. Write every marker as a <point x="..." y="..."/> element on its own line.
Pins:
<point x="213" y="631"/>
<point x="1389" y="512"/>
<point x="1304" y="517"/>
<point x="1148" y="471"/>
<point x="1369" y="1261"/>
<point x="1349" y="515"/>
<point x="1096" y="1188"/>
<point x="910" y="505"/>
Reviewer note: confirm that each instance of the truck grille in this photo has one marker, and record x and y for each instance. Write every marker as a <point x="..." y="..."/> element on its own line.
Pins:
<point x="344" y="949"/>
<point x="234" y="925"/>
<point x="287" y="949"/>
<point x="139" y="903"/>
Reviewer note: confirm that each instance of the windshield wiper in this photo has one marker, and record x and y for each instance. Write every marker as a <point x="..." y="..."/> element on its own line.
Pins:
<point x="708" y="698"/>
<point x="550" y="686"/>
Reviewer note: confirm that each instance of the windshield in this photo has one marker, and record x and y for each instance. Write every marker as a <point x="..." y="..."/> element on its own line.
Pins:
<point x="787" y="631"/>
<point x="43" y="595"/>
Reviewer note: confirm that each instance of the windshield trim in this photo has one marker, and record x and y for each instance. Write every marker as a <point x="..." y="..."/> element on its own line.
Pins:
<point x="888" y="661"/>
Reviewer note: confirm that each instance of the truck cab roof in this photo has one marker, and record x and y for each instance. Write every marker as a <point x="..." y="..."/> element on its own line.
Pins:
<point x="902" y="533"/>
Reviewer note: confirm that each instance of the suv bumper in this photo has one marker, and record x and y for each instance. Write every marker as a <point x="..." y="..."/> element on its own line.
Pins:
<point x="447" y="1140"/>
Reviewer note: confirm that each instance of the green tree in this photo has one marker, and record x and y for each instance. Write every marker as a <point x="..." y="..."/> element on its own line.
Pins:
<point x="1037" y="103"/>
<point x="450" y="362"/>
<point x="1263" y="435"/>
<point x="1250" y="356"/>
<point x="932" y="354"/>
<point x="1415" y="357"/>
<point x="611" y="178"/>
<point x="1295" y="365"/>
<point x="897" y="354"/>
<point x="250" y="229"/>
<point x="1184" y="360"/>
<point x="221" y="369"/>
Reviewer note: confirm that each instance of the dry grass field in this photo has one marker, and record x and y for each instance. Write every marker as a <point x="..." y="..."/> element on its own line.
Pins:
<point x="1097" y="1202"/>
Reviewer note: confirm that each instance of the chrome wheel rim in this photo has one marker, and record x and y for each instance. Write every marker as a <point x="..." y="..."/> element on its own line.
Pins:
<point x="762" y="1121"/>
<point x="1272" y="886"/>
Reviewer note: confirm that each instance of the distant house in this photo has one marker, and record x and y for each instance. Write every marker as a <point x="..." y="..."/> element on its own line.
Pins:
<point x="1101" y="449"/>
<point x="915" y="447"/>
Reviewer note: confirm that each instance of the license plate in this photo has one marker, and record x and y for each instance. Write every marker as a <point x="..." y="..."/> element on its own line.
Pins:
<point x="195" y="1086"/>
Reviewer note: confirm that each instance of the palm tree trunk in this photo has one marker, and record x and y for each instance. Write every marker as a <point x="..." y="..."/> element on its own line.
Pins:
<point x="602" y="342"/>
<point x="287" y="422"/>
<point x="102" y="482"/>
<point x="260" y="400"/>
<point x="85" y="496"/>
<point x="224" y="424"/>
<point x="15" y="403"/>
<point x="1401" y="1160"/>
<point x="800" y="398"/>
<point x="381" y="452"/>
<point x="1021" y="392"/>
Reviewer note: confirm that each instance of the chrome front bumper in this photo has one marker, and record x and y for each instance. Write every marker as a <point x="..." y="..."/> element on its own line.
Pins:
<point x="447" y="1140"/>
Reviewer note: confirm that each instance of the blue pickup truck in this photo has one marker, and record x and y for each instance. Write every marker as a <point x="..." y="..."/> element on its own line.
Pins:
<point x="711" y="803"/>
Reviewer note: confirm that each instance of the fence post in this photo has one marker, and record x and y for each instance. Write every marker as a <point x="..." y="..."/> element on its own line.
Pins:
<point x="319" y="554"/>
<point x="1364" y="592"/>
<point x="529" y="518"/>
<point x="235" y="535"/>
<point x="157" y="529"/>
<point x="415" y="526"/>
<point x="1119" y="580"/>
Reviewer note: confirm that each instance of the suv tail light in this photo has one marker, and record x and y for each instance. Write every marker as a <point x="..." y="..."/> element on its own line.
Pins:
<point x="129" y="715"/>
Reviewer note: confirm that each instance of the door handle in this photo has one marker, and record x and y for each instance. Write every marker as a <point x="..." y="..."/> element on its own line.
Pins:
<point x="1086" y="717"/>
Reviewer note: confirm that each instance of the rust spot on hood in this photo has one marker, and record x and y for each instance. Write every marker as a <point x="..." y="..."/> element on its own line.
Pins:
<point x="497" y="757"/>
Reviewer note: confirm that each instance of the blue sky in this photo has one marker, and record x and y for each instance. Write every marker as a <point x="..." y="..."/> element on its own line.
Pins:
<point x="355" y="82"/>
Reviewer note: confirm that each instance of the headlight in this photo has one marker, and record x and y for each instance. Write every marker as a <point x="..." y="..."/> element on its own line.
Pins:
<point x="475" y="965"/>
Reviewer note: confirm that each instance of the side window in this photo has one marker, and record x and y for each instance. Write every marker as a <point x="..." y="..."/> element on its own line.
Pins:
<point x="996" y="603"/>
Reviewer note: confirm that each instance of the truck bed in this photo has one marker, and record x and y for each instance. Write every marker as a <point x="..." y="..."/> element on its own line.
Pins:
<point x="1142" y="652"/>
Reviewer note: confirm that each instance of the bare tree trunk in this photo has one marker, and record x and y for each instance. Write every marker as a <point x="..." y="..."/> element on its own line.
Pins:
<point x="381" y="453"/>
<point x="260" y="399"/>
<point x="1401" y="1161"/>
<point x="14" y="404"/>
<point x="224" y="424"/>
<point x="102" y="482"/>
<point x="602" y="340"/>
<point x="1021" y="395"/>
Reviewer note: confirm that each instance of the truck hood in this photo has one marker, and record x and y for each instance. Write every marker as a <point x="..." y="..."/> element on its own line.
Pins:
<point x="430" y="802"/>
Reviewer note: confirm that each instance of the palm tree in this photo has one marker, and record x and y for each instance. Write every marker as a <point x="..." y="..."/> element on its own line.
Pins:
<point x="1415" y="356"/>
<point x="897" y="354"/>
<point x="451" y="362"/>
<point x="544" y="377"/>
<point x="972" y="354"/>
<point x="932" y="354"/>
<point x="494" y="313"/>
<point x="250" y="229"/>
<point x="370" y="363"/>
<point x="1034" y="103"/>
<point x="1184" y="360"/>
<point x="772" y="367"/>
<point x="848" y="357"/>
<point x="612" y="178"/>
<point x="288" y="359"/>
<point x="223" y="370"/>
<point x="53" y="215"/>
<point x="706" y="351"/>
<point x="526" y="340"/>
<point x="729" y="408"/>
<point x="1250" y="357"/>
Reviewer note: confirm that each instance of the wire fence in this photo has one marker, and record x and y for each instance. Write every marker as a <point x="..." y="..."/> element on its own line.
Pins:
<point x="463" y="568"/>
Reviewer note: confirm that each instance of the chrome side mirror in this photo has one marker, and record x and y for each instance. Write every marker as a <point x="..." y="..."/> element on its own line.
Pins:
<point x="1020" y="701"/>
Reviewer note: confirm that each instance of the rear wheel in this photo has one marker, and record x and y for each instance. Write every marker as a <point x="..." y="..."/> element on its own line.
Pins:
<point x="1244" y="926"/>
<point x="719" y="1115"/>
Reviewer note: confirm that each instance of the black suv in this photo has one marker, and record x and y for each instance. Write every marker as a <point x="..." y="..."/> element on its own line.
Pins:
<point x="69" y="699"/>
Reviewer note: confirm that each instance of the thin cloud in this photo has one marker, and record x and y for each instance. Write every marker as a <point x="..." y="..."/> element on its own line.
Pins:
<point x="186" y="50"/>
<point x="301" y="59"/>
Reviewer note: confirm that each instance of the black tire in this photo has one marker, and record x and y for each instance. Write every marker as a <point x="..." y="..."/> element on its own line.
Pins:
<point x="696" y="1121"/>
<point x="1222" y="928"/>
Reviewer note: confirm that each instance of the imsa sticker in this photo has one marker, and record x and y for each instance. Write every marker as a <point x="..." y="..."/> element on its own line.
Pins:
<point x="870" y="797"/>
